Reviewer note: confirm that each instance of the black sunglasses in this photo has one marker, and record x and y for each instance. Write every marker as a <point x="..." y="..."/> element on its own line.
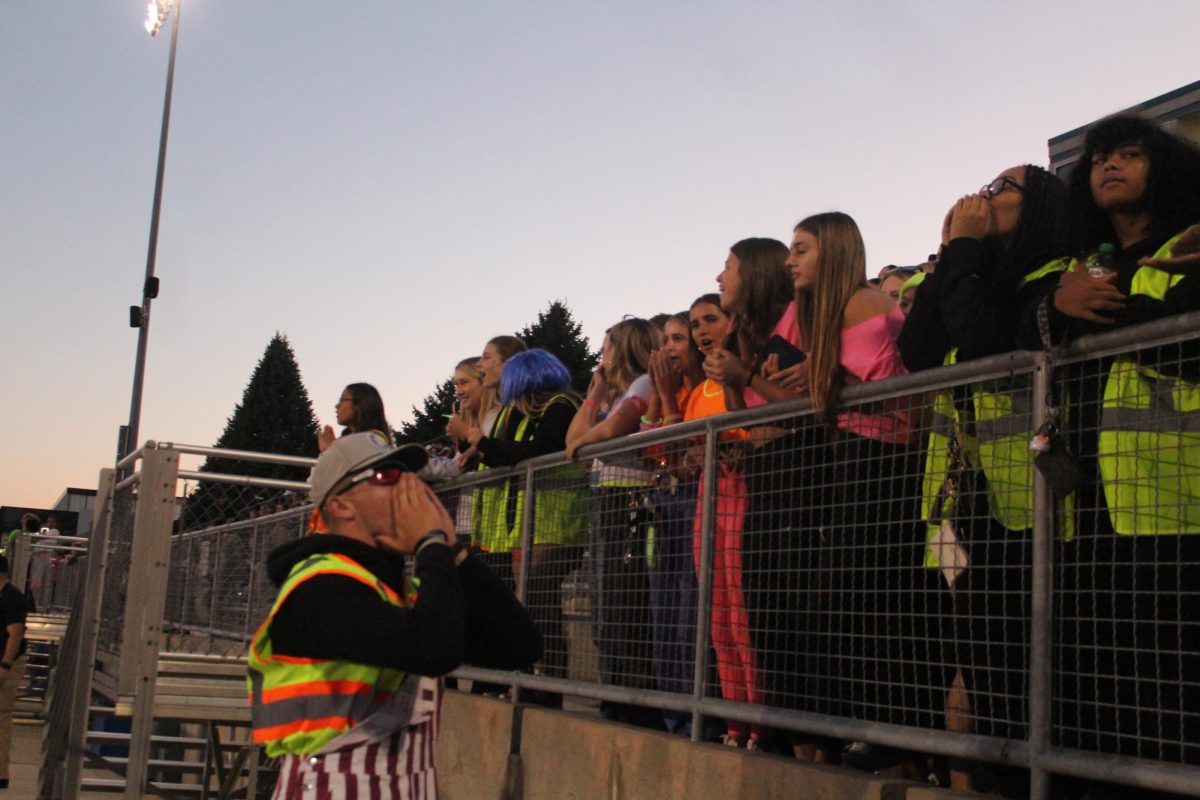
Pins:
<point x="1000" y="184"/>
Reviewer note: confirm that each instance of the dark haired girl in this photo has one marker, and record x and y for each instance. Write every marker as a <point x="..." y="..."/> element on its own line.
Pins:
<point x="995" y="243"/>
<point x="359" y="409"/>
<point x="757" y="296"/>
<point x="1126" y="633"/>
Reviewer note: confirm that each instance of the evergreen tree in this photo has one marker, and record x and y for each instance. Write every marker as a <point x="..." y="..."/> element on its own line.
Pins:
<point x="429" y="421"/>
<point x="554" y="330"/>
<point x="275" y="416"/>
<point x="557" y="331"/>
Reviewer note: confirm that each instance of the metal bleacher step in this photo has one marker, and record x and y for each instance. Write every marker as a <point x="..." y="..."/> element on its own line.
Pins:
<point x="161" y="763"/>
<point x="118" y="785"/>
<point x="110" y="737"/>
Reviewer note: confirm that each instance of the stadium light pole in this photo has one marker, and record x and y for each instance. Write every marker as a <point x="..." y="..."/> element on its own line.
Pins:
<point x="157" y="13"/>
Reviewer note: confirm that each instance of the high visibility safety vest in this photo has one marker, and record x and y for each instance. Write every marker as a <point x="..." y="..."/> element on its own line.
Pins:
<point x="1002" y="427"/>
<point x="1149" y="442"/>
<point x="561" y="502"/>
<point x="300" y="705"/>
<point x="942" y="422"/>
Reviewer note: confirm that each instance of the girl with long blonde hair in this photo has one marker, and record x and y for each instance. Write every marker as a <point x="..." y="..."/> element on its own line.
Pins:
<point x="617" y="399"/>
<point x="865" y="567"/>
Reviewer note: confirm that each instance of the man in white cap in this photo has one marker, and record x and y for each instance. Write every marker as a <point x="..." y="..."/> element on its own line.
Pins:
<point x="343" y="679"/>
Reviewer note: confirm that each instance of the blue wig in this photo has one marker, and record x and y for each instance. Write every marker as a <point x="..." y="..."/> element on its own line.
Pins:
<point x="531" y="372"/>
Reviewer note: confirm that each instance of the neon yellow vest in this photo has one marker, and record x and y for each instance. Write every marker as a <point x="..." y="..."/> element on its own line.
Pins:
<point x="1149" y="443"/>
<point x="299" y="705"/>
<point x="560" y="509"/>
<point x="1003" y="425"/>
<point x="942" y="422"/>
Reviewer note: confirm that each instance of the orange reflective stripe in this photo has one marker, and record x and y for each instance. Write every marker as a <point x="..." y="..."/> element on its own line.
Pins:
<point x="317" y="687"/>
<point x="298" y="660"/>
<point x="301" y="726"/>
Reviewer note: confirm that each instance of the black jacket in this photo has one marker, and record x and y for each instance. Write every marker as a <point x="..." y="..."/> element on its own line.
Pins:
<point x="462" y="613"/>
<point x="971" y="302"/>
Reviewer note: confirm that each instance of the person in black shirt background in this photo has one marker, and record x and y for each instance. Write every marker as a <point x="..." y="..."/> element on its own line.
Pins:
<point x="12" y="662"/>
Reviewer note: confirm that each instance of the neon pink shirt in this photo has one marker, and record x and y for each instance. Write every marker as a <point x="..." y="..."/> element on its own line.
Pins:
<point x="869" y="353"/>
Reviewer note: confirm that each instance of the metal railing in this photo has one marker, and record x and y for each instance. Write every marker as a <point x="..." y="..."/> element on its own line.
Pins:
<point x="816" y="564"/>
<point x="48" y="568"/>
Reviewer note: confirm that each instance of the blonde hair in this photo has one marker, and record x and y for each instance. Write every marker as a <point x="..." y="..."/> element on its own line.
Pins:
<point x="631" y="341"/>
<point x="820" y="310"/>
<point x="470" y="366"/>
<point x="507" y="347"/>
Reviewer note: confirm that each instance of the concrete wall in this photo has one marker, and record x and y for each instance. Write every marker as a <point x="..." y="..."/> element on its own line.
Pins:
<point x="567" y="756"/>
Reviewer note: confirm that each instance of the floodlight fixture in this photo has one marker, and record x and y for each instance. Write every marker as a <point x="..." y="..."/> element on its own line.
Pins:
<point x="157" y="12"/>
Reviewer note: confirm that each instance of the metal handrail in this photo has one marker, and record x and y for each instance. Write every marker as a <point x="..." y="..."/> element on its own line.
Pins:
<point x="1036" y="752"/>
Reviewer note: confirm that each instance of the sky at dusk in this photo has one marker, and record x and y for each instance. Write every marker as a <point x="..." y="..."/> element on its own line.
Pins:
<point x="392" y="183"/>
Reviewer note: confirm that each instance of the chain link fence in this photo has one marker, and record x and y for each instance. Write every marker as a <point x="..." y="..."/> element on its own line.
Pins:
<point x="996" y="560"/>
<point x="113" y="598"/>
<point x="1127" y="576"/>
<point x="218" y="591"/>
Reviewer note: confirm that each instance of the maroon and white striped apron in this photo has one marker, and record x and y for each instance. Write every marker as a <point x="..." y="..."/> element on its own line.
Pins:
<point x="389" y="756"/>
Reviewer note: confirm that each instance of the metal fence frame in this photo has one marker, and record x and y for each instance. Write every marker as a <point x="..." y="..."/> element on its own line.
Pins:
<point x="156" y="485"/>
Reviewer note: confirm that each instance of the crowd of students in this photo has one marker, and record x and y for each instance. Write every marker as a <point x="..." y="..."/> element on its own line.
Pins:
<point x="841" y="540"/>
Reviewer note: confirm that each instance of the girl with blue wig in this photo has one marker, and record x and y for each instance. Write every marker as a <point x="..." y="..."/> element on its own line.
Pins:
<point x="537" y="406"/>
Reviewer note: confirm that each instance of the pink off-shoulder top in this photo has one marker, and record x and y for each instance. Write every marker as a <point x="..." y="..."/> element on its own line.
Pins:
<point x="869" y="353"/>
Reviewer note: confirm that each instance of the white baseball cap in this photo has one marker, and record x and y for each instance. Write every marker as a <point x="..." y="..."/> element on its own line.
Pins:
<point x="356" y="452"/>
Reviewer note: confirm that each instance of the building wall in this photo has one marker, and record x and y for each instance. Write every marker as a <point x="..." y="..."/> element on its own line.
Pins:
<point x="83" y="503"/>
<point x="1178" y="111"/>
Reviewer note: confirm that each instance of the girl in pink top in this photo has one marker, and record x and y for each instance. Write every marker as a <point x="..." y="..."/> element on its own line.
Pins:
<point x="864" y="576"/>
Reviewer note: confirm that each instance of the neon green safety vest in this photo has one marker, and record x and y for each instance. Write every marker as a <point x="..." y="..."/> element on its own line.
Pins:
<point x="942" y="422"/>
<point x="1149" y="443"/>
<point x="299" y="705"/>
<point x="560" y="510"/>
<point x="1003" y="425"/>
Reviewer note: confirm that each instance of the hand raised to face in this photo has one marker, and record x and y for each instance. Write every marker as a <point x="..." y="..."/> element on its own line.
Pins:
<point x="416" y="511"/>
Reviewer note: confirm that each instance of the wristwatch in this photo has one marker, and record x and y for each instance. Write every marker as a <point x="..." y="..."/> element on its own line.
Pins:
<point x="429" y="538"/>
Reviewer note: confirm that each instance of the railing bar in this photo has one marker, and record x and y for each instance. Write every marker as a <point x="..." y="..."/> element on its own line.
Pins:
<point x="242" y="480"/>
<point x="1124" y="770"/>
<point x="922" y="740"/>
<point x="128" y="482"/>
<point x="1041" y="606"/>
<point x="238" y="455"/>
<point x="132" y="457"/>
<point x="708" y="514"/>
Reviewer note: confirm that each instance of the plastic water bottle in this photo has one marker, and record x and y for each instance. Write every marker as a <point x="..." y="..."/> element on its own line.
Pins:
<point x="1100" y="264"/>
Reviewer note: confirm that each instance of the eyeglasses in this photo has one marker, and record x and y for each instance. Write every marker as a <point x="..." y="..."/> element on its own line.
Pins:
<point x="345" y="400"/>
<point x="376" y="476"/>
<point x="1000" y="184"/>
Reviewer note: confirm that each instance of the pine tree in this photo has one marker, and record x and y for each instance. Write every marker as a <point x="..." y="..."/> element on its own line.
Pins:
<point x="557" y="331"/>
<point x="554" y="330"/>
<point x="274" y="416"/>
<point x="429" y="421"/>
